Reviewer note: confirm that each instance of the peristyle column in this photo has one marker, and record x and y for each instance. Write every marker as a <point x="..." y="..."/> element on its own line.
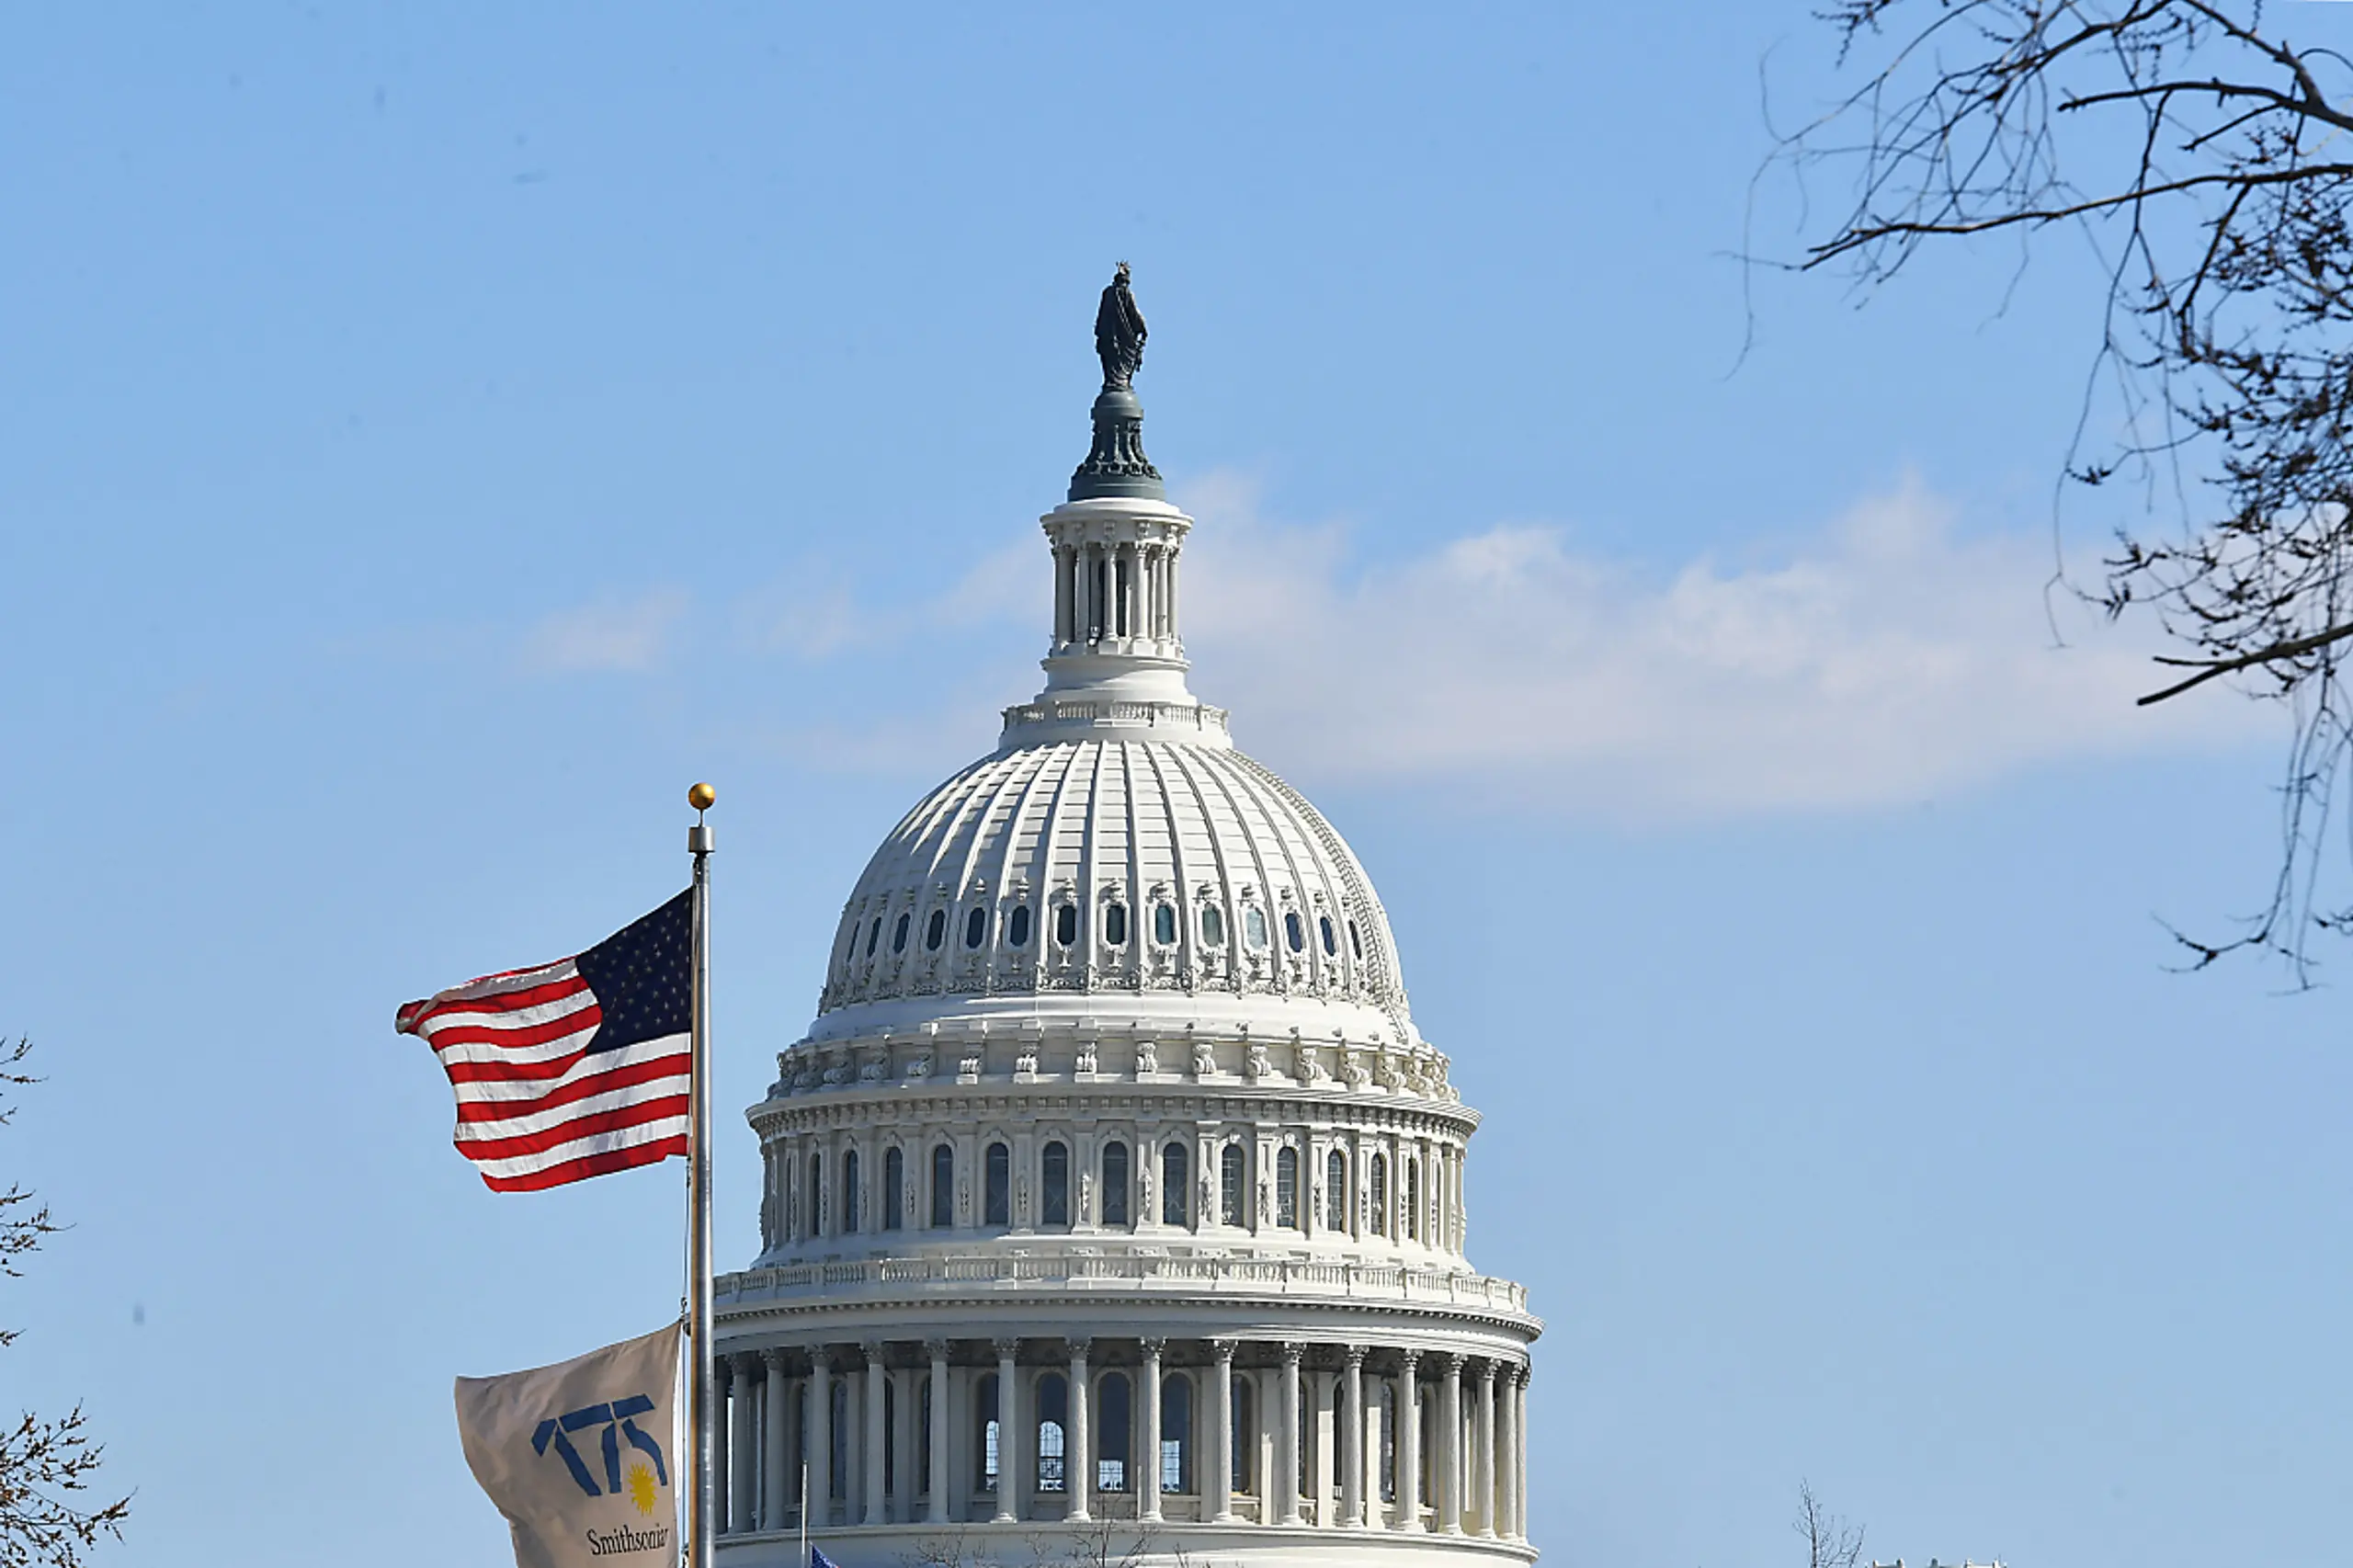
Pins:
<point x="1450" y="1444"/>
<point x="1485" y="1491"/>
<point x="1008" y="1432"/>
<point x="772" y="1445"/>
<point x="1287" y="1485"/>
<point x="1218" y="1492"/>
<point x="817" y="1420"/>
<point x="1352" y="1440"/>
<point x="874" y="1424"/>
<point x="937" y="1351"/>
<point x="1409" y="1441"/>
<point x="1077" y="1455"/>
<point x="1148" y="1445"/>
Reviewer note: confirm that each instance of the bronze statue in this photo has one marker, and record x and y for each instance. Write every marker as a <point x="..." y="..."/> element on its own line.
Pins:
<point x="1119" y="334"/>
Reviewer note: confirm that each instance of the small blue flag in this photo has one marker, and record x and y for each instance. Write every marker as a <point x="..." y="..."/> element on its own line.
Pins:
<point x="819" y="1560"/>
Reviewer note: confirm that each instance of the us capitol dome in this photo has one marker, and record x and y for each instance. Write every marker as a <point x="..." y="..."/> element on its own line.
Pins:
<point x="1112" y="1205"/>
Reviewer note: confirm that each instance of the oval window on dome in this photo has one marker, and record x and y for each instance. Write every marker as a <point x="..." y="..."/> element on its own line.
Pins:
<point x="1115" y="923"/>
<point x="1017" y="929"/>
<point x="899" y="934"/>
<point x="1254" y="926"/>
<point x="1163" y="923"/>
<point x="1331" y="943"/>
<point x="1212" y="926"/>
<point x="1066" y="924"/>
<point x="874" y="937"/>
<point x="935" y="930"/>
<point x="1293" y="932"/>
<point x="1356" y="943"/>
<point x="976" y="925"/>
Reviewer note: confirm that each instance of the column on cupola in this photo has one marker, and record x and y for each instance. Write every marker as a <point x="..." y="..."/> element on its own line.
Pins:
<point x="1409" y="1441"/>
<point x="817" y="1421"/>
<point x="740" y="1474"/>
<point x="1352" y="1438"/>
<point x="937" y="1349"/>
<point x="774" y="1442"/>
<point x="874" y="1426"/>
<point x="1448" y="1458"/>
<point x="1077" y="1455"/>
<point x="1148" y="1465"/>
<point x="1506" y="1438"/>
<point x="1216" y="1488"/>
<point x="1287" y="1447"/>
<point x="1008" y="1432"/>
<point x="1147" y="608"/>
<point x="1065" y="595"/>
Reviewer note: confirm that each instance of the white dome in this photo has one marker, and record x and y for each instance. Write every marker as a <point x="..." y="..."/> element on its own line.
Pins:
<point x="1152" y="881"/>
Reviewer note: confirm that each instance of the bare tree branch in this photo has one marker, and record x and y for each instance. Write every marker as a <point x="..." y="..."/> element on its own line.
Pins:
<point x="2201" y="154"/>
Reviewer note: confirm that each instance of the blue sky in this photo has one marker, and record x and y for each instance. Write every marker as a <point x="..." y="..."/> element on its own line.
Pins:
<point x="429" y="439"/>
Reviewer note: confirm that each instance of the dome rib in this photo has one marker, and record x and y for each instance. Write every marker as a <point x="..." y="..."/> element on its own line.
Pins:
<point x="1090" y="819"/>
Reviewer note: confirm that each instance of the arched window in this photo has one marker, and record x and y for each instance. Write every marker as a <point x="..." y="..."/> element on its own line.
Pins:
<point x="1287" y="1188"/>
<point x="1413" y="1200"/>
<point x="1172" y="1185"/>
<point x="1232" y="1202"/>
<point x="997" y="1198"/>
<point x="1110" y="1427"/>
<point x="1212" y="926"/>
<point x="873" y="936"/>
<point x="1175" y="1432"/>
<point x="1244" y="1446"/>
<point x="1054" y="1170"/>
<point x="1323" y="927"/>
<point x="1114" y="925"/>
<point x="1017" y="930"/>
<point x="1356" y="943"/>
<point x="899" y="934"/>
<point x="943" y="1187"/>
<point x="934" y="931"/>
<point x="1053" y="1413"/>
<point x="1066" y="925"/>
<point x="1335" y="1191"/>
<point x="1293" y="932"/>
<point x="816" y="1196"/>
<point x="1253" y="927"/>
<point x="894" y="1187"/>
<point x="1115" y="1183"/>
<point x="984" y="1420"/>
<point x="1380" y="1194"/>
<point x="1163" y="923"/>
<point x="976" y="925"/>
<point x="849" y="1192"/>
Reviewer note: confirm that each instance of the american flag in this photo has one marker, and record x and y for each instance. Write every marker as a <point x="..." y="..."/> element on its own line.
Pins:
<point x="574" y="1068"/>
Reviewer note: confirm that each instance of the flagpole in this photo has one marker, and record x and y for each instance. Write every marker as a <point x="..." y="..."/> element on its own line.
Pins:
<point x="702" y="1399"/>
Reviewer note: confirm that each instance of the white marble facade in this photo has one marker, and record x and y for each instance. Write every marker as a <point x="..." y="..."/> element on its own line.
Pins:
<point x="1113" y="1206"/>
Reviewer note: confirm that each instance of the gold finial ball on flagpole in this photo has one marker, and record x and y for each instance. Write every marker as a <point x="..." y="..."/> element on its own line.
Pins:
<point x="700" y="796"/>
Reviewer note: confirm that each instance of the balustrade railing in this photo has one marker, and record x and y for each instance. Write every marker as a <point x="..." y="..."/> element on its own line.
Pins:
<point x="1272" y="1276"/>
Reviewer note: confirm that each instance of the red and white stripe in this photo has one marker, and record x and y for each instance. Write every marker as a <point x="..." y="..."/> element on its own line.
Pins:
<point x="535" y="1107"/>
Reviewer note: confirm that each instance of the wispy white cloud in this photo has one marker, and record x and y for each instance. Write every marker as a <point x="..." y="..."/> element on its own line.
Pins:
<point x="610" y="635"/>
<point x="1890" y="659"/>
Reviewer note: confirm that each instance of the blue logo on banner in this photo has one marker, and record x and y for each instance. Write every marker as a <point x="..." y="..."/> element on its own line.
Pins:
<point x="615" y="1419"/>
